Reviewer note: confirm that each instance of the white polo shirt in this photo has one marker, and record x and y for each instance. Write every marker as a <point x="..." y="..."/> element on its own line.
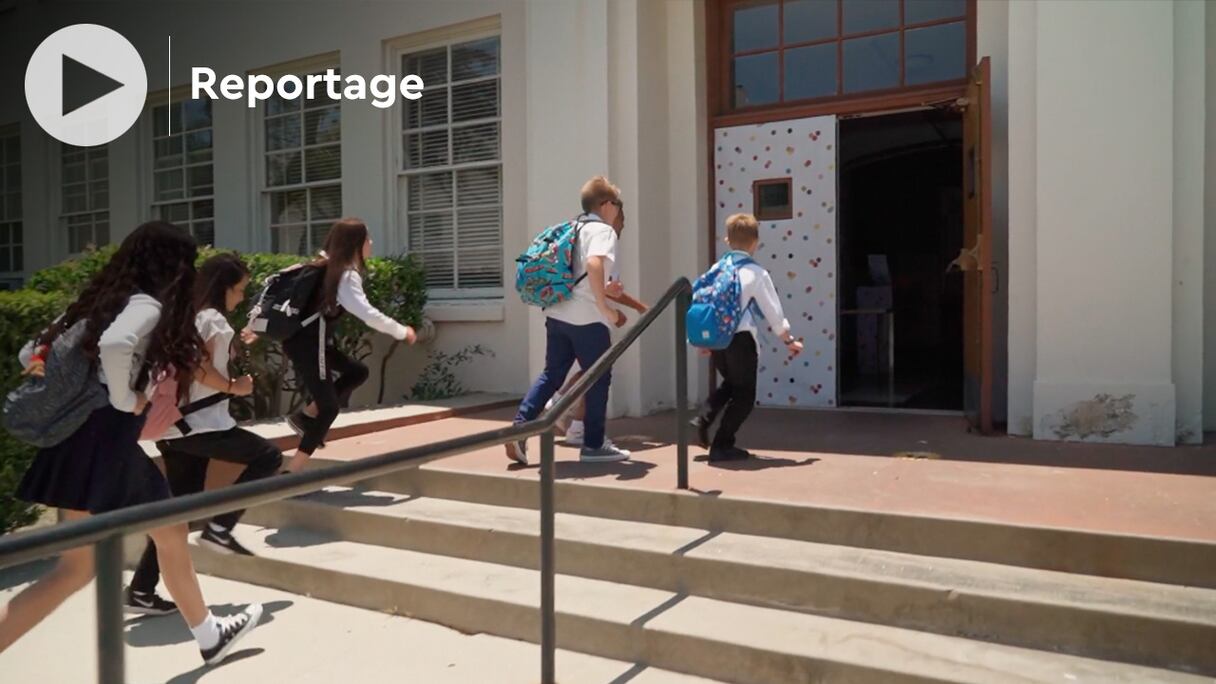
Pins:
<point x="595" y="238"/>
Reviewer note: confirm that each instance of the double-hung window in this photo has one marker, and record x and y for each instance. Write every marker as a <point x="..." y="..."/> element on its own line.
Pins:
<point x="451" y="167"/>
<point x="84" y="177"/>
<point x="302" y="153"/>
<point x="183" y="178"/>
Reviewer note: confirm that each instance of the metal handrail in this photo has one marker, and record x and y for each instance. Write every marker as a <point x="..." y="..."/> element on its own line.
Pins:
<point x="106" y="530"/>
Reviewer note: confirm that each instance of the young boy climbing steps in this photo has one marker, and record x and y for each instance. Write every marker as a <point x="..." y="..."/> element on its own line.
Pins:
<point x="735" y="397"/>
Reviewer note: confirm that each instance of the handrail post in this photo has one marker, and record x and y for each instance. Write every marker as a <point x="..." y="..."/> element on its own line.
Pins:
<point x="107" y="559"/>
<point x="548" y="624"/>
<point x="682" y="303"/>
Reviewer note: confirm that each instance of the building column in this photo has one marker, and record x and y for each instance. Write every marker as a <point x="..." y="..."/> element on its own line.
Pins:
<point x="1104" y="222"/>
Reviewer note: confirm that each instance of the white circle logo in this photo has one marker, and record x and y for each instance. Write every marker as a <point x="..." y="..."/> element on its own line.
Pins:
<point x="85" y="85"/>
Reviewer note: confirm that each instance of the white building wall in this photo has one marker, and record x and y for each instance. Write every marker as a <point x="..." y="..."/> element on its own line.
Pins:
<point x="1209" y="217"/>
<point x="1105" y="171"/>
<point x="1021" y="279"/>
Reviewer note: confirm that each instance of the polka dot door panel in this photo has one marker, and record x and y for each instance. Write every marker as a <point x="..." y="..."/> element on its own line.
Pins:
<point x="797" y="245"/>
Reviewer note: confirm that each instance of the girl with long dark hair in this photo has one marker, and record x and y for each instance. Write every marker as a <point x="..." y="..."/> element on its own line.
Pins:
<point x="139" y="322"/>
<point x="347" y="247"/>
<point x="210" y="433"/>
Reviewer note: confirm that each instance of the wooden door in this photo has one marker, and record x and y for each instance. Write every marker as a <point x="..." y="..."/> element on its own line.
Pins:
<point x="976" y="259"/>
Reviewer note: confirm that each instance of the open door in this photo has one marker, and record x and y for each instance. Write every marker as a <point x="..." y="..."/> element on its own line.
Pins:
<point x="975" y="260"/>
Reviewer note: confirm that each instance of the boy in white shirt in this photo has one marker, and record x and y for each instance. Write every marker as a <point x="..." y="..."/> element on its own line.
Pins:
<point x="577" y="329"/>
<point x="736" y="396"/>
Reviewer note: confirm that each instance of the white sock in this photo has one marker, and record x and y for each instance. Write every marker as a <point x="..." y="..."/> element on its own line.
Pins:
<point x="207" y="632"/>
<point x="576" y="426"/>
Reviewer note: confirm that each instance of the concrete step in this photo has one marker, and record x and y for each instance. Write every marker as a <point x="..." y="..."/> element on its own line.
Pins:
<point x="1111" y="619"/>
<point x="301" y="640"/>
<point x="669" y="630"/>
<point x="1153" y="559"/>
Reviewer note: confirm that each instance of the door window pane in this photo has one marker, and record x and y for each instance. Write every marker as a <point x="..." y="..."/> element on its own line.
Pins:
<point x="871" y="63"/>
<point x="755" y="27"/>
<point x="916" y="11"/>
<point x="870" y="15"/>
<point x="935" y="53"/>
<point x="807" y="20"/>
<point x="810" y="72"/>
<point x="756" y="79"/>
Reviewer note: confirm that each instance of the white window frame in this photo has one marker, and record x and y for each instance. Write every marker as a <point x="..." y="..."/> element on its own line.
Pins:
<point x="15" y="225"/>
<point x="64" y="216"/>
<point x="396" y="50"/>
<point x="262" y="201"/>
<point x="148" y="140"/>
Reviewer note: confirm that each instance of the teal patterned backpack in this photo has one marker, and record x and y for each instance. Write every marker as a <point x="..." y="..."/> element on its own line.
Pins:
<point x="544" y="273"/>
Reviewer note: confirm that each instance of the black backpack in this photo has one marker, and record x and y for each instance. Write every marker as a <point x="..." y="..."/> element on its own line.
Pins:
<point x="281" y="311"/>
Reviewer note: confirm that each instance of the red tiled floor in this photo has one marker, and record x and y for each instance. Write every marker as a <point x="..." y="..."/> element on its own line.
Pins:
<point x="844" y="459"/>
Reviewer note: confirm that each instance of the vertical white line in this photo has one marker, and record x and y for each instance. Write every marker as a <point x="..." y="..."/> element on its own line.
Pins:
<point x="169" y="83"/>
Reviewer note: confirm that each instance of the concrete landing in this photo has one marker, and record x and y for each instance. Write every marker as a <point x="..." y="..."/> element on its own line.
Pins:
<point x="302" y="640"/>
<point x="849" y="460"/>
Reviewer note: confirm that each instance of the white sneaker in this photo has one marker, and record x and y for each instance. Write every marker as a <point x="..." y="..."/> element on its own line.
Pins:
<point x="574" y="434"/>
<point x="607" y="453"/>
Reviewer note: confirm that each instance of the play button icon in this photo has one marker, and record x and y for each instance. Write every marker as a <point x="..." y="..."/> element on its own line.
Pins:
<point x="86" y="85"/>
<point x="83" y="84"/>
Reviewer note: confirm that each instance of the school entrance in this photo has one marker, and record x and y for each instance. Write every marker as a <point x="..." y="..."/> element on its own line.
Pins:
<point x="857" y="132"/>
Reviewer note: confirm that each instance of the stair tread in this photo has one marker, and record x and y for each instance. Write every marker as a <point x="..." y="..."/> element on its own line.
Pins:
<point x="1163" y="601"/>
<point x="868" y="645"/>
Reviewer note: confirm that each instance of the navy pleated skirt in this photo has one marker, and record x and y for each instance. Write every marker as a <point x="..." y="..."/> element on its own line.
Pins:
<point x="100" y="468"/>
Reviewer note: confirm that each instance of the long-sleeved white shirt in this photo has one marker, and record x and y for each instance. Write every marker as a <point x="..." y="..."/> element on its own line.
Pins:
<point x="121" y="349"/>
<point x="352" y="298"/>
<point x="756" y="284"/>
<point x="122" y="346"/>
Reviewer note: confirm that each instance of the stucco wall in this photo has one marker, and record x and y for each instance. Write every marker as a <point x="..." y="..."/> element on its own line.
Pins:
<point x="1105" y="169"/>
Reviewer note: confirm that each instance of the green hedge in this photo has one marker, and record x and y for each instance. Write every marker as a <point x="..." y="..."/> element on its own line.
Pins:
<point x="394" y="284"/>
<point x="24" y="313"/>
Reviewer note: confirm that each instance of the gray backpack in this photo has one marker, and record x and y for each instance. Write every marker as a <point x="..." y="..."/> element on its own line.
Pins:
<point x="46" y="411"/>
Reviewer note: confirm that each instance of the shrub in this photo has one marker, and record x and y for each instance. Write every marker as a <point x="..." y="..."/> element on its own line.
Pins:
<point x="24" y="314"/>
<point x="438" y="379"/>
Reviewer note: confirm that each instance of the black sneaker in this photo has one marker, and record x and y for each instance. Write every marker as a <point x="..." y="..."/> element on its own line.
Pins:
<point x="222" y="542"/>
<point x="719" y="454"/>
<point x="232" y="630"/>
<point x="702" y="427"/>
<point x="152" y="603"/>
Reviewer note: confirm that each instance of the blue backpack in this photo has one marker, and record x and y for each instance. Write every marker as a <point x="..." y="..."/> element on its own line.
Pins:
<point x="544" y="273"/>
<point x="717" y="306"/>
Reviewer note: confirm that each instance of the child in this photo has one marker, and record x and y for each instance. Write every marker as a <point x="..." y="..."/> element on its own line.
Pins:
<point x="736" y="396"/>
<point x="138" y="315"/>
<point x="570" y="424"/>
<point x="219" y="288"/>
<point x="347" y="247"/>
<point x="577" y="329"/>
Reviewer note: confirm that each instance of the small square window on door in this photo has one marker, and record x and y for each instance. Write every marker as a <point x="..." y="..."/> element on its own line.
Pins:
<point x="773" y="199"/>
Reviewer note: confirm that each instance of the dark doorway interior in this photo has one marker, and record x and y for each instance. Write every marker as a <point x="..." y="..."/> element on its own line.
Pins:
<point x="900" y="227"/>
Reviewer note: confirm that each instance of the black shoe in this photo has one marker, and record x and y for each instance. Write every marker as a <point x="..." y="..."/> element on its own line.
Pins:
<point x="701" y="425"/>
<point x="719" y="454"/>
<point x="298" y="422"/>
<point x="148" y="603"/>
<point x="222" y="542"/>
<point x="232" y="629"/>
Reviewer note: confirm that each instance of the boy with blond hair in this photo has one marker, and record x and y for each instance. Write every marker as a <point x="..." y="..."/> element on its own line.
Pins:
<point x="735" y="397"/>
<point x="577" y="329"/>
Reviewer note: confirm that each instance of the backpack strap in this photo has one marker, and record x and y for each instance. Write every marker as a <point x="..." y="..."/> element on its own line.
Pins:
<point x="206" y="402"/>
